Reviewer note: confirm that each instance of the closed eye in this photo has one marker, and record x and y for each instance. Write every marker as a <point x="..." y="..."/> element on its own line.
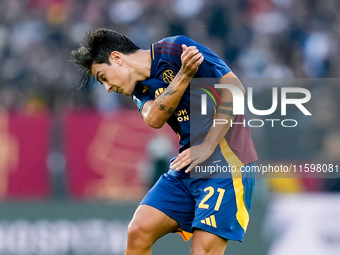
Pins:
<point x="97" y="76"/>
<point x="103" y="79"/>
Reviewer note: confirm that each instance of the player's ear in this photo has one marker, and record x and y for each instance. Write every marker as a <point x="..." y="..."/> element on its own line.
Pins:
<point x="116" y="57"/>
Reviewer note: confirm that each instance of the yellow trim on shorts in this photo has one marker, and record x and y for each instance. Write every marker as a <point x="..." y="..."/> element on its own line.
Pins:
<point x="186" y="235"/>
<point x="242" y="214"/>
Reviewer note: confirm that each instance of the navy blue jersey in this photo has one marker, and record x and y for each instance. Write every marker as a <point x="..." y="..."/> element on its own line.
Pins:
<point x="166" y="62"/>
<point x="216" y="205"/>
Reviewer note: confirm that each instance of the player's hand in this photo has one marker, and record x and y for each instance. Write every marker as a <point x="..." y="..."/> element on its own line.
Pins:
<point x="191" y="59"/>
<point x="193" y="156"/>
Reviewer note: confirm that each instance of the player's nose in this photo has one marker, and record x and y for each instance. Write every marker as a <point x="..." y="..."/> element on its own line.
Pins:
<point x="108" y="87"/>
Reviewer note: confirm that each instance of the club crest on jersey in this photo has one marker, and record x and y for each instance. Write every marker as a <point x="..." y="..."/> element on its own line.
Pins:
<point x="168" y="75"/>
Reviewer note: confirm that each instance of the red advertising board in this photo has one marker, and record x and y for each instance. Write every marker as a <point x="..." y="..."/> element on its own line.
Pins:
<point x="24" y="144"/>
<point x="104" y="154"/>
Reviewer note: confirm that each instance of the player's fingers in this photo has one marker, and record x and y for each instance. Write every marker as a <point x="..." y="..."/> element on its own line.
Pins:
<point x="196" y="60"/>
<point x="194" y="161"/>
<point x="173" y="164"/>
<point x="179" y="157"/>
<point x="188" y="54"/>
<point x="200" y="60"/>
<point x="187" y="50"/>
<point x="182" y="164"/>
<point x="193" y="56"/>
<point x="182" y="157"/>
<point x="192" y="165"/>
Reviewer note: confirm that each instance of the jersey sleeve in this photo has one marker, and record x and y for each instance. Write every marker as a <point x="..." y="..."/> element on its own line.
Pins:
<point x="212" y="66"/>
<point x="140" y="96"/>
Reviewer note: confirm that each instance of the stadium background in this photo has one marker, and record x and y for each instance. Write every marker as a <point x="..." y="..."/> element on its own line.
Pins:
<point x="75" y="162"/>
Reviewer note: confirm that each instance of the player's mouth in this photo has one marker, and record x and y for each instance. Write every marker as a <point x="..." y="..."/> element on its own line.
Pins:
<point x="117" y="89"/>
<point x="121" y="91"/>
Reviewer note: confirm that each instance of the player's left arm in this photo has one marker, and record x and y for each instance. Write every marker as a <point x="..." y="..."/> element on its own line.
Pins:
<point x="199" y="153"/>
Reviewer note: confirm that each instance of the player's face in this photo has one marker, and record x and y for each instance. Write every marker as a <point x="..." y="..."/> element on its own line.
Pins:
<point x="115" y="77"/>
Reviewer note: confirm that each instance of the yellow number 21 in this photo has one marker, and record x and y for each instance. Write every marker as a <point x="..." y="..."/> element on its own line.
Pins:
<point x="211" y="192"/>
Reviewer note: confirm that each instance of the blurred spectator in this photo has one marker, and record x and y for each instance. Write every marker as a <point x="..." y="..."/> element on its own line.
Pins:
<point x="258" y="38"/>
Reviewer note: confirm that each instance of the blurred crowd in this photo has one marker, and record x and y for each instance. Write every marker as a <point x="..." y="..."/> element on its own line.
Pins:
<point x="256" y="38"/>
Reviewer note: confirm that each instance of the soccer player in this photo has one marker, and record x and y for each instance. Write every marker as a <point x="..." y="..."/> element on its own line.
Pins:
<point x="160" y="81"/>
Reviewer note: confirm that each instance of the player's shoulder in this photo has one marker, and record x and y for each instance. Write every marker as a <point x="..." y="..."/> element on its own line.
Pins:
<point x="176" y="40"/>
<point x="171" y="47"/>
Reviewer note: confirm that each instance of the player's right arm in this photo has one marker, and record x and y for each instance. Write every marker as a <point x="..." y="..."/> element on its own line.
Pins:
<point x="156" y="112"/>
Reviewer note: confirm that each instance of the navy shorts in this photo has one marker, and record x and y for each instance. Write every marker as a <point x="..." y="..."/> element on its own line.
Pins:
<point x="217" y="205"/>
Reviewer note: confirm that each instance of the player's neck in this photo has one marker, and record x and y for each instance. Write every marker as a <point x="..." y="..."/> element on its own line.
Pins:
<point x="141" y="64"/>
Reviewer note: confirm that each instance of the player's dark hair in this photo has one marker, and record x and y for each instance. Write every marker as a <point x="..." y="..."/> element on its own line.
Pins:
<point x="96" y="48"/>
